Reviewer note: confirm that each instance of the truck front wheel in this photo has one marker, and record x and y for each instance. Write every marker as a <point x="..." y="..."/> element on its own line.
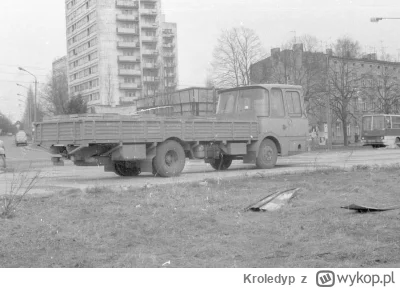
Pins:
<point x="267" y="155"/>
<point x="126" y="169"/>
<point x="221" y="163"/>
<point x="169" y="160"/>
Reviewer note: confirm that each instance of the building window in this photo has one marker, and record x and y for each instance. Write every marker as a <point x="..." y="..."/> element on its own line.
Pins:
<point x="338" y="129"/>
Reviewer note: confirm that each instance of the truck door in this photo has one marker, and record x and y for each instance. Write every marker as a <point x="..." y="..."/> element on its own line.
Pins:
<point x="275" y="120"/>
<point x="297" y="127"/>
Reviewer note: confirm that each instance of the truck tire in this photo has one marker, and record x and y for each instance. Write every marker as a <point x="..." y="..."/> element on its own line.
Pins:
<point x="267" y="155"/>
<point x="121" y="169"/>
<point x="169" y="160"/>
<point x="221" y="163"/>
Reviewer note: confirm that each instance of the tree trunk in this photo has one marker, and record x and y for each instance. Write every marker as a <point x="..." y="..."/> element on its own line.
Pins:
<point x="344" y="124"/>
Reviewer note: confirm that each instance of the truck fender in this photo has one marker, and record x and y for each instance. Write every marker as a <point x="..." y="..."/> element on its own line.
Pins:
<point x="254" y="147"/>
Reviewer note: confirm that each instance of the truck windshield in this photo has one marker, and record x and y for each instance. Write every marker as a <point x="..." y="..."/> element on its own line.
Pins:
<point x="254" y="100"/>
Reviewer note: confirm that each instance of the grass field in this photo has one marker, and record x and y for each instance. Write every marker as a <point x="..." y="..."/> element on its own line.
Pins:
<point x="198" y="225"/>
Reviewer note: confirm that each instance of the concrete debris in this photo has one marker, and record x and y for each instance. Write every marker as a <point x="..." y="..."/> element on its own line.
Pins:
<point x="365" y="209"/>
<point x="274" y="201"/>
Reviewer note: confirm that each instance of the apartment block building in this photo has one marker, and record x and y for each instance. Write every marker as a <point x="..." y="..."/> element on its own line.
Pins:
<point x="59" y="66"/>
<point x="375" y="85"/>
<point x="119" y="50"/>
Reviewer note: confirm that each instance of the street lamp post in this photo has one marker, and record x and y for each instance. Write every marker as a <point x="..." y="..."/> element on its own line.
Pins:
<point x="28" y="105"/>
<point x="34" y="104"/>
<point x="377" y="19"/>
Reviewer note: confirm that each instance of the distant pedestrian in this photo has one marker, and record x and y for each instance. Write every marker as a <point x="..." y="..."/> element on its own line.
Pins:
<point x="3" y="154"/>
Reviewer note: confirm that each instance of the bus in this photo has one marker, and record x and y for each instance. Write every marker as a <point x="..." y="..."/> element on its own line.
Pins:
<point x="381" y="130"/>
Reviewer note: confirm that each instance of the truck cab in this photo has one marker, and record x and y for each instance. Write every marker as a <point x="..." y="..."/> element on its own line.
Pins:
<point x="278" y="109"/>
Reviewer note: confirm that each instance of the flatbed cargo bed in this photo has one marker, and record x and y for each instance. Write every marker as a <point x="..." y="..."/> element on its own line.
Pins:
<point x="107" y="129"/>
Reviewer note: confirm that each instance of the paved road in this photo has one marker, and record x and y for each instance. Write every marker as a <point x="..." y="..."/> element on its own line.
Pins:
<point x="22" y="157"/>
<point x="55" y="178"/>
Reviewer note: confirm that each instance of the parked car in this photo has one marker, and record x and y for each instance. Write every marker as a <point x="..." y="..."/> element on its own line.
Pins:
<point x="9" y="134"/>
<point x="21" y="138"/>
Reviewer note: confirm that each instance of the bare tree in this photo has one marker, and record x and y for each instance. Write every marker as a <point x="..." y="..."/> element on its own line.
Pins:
<point x="346" y="47"/>
<point x="55" y="93"/>
<point x="383" y="89"/>
<point x="299" y="63"/>
<point x="236" y="51"/>
<point x="343" y="80"/>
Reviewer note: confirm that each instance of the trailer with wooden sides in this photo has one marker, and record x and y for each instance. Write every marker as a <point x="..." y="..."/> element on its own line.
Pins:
<point x="253" y="123"/>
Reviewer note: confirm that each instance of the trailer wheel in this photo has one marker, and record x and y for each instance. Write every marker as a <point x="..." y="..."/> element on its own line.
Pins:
<point x="169" y="160"/>
<point x="267" y="155"/>
<point x="125" y="169"/>
<point x="221" y="163"/>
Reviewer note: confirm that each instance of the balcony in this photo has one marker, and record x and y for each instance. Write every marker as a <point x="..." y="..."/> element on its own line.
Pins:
<point x="169" y="64"/>
<point x="128" y="45"/>
<point x="149" y="39"/>
<point x="169" y="54"/>
<point x="168" y="34"/>
<point x="129" y="86"/>
<point x="128" y="99"/>
<point x="150" y="1"/>
<point x="128" y="59"/>
<point x="148" y="12"/>
<point x="168" y="45"/>
<point x="170" y="85"/>
<point x="151" y="79"/>
<point x="127" y="4"/>
<point x="169" y="75"/>
<point x="126" y="17"/>
<point x="150" y="53"/>
<point x="121" y="30"/>
<point x="150" y="66"/>
<point x="129" y="72"/>
<point x="149" y="25"/>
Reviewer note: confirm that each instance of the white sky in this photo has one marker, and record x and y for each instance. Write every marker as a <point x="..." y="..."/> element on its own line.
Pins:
<point x="32" y="33"/>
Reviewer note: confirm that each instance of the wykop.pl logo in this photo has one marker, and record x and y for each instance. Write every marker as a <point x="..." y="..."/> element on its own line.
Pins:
<point x="325" y="278"/>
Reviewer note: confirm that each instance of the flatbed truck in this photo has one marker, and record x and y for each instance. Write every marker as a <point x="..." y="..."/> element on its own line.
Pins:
<point x="255" y="124"/>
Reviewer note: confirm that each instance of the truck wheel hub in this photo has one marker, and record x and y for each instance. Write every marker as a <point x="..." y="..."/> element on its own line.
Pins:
<point x="171" y="157"/>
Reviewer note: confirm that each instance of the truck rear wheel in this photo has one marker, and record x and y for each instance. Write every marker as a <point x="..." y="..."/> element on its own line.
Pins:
<point x="126" y="169"/>
<point x="169" y="160"/>
<point x="221" y="163"/>
<point x="267" y="155"/>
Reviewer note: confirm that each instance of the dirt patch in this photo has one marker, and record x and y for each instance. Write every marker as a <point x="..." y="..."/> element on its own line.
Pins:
<point x="204" y="225"/>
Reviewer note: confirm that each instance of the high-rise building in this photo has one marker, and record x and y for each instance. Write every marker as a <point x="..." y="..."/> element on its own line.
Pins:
<point x="119" y="50"/>
<point x="59" y="66"/>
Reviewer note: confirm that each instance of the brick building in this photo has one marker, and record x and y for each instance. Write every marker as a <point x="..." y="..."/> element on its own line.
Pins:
<point x="372" y="85"/>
